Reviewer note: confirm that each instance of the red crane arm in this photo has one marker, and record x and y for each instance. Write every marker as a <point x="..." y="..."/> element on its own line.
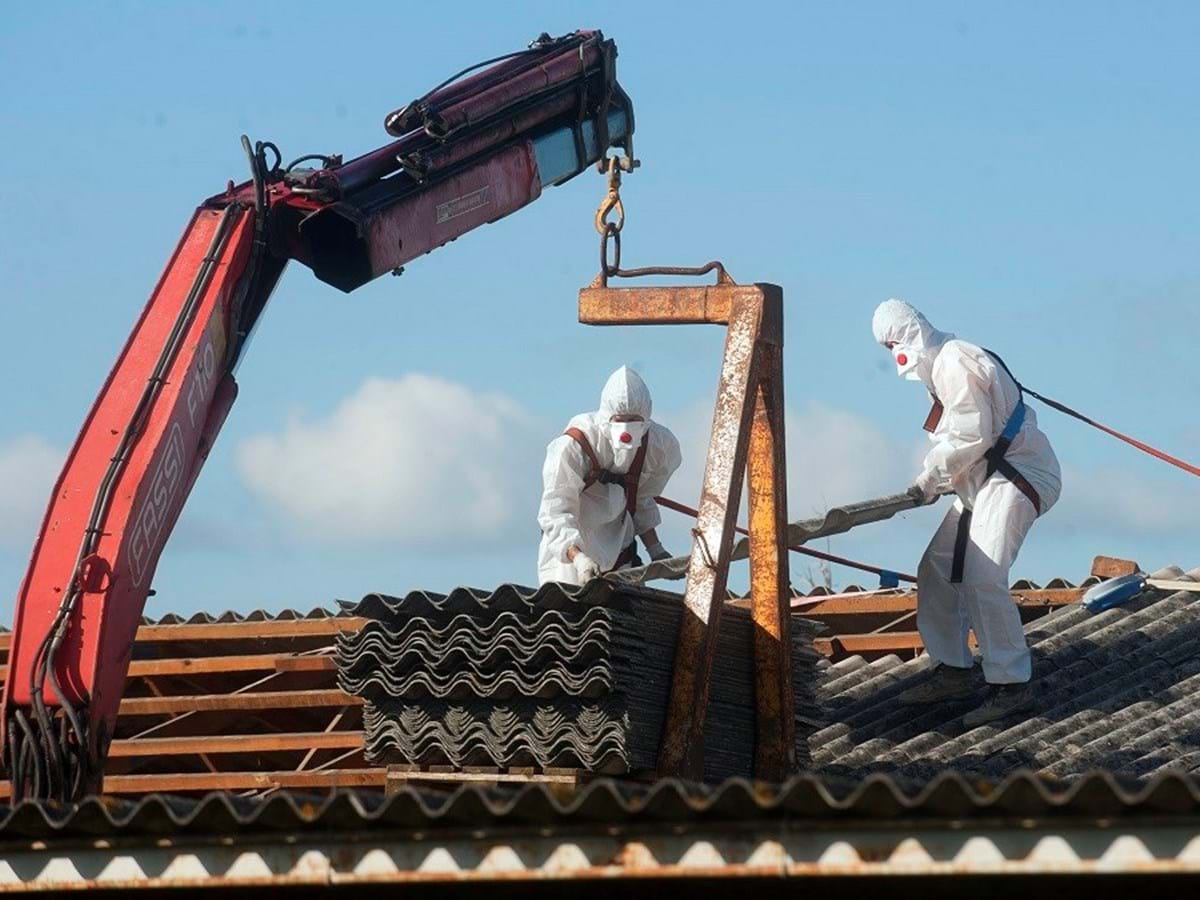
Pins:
<point x="470" y="152"/>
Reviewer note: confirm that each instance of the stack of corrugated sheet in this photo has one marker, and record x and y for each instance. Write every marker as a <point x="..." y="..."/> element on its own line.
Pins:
<point x="557" y="677"/>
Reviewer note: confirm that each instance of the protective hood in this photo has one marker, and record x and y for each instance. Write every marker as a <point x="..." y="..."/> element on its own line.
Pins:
<point x="916" y="342"/>
<point x="625" y="394"/>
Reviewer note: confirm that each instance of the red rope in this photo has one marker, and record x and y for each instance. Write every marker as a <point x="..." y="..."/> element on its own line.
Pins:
<point x="1133" y="442"/>
<point x="817" y="554"/>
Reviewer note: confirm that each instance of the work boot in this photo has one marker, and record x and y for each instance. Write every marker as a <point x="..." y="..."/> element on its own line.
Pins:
<point x="1000" y="701"/>
<point x="946" y="683"/>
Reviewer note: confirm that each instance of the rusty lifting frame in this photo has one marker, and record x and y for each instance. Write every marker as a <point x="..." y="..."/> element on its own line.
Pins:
<point x="747" y="441"/>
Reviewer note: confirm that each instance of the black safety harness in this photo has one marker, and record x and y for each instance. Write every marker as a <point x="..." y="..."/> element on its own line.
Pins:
<point x="996" y="463"/>
<point x="627" y="481"/>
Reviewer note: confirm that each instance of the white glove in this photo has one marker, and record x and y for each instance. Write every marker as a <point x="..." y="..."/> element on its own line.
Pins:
<point x="927" y="486"/>
<point x="586" y="567"/>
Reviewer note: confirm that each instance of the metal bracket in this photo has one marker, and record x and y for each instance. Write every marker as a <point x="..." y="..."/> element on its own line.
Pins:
<point x="747" y="442"/>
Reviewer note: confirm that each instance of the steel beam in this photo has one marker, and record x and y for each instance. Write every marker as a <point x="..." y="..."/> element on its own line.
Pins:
<point x="748" y="422"/>
<point x="711" y="305"/>
<point x="770" y="587"/>
<point x="681" y="751"/>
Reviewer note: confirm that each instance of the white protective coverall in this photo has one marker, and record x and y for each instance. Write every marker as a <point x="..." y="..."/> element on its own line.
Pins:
<point x="978" y="397"/>
<point x="596" y="519"/>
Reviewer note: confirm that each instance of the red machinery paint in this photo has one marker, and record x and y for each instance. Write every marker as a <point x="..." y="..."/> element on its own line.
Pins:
<point x="159" y="412"/>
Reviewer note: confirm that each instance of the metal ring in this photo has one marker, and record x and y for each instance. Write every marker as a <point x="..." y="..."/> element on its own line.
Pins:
<point x="613" y="233"/>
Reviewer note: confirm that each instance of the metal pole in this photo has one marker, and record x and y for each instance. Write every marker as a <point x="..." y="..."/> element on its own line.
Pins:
<point x="766" y="478"/>
<point x="681" y="752"/>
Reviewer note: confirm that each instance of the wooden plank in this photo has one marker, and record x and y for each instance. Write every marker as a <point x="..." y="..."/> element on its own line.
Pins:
<point x="215" y="665"/>
<point x="263" y="629"/>
<point x="394" y="778"/>
<point x="237" y="781"/>
<point x="289" y="663"/>
<point x="1113" y="567"/>
<point x="237" y="743"/>
<point x="262" y="700"/>
<point x="870" y="643"/>
<point x="895" y="604"/>
<point x="888" y="642"/>
<point x="258" y="630"/>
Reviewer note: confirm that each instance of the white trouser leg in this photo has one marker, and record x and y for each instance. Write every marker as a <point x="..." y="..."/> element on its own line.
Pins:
<point x="941" y="615"/>
<point x="1002" y="518"/>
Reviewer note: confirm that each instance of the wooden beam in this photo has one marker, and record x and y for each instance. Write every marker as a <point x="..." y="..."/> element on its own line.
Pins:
<point x="1113" y="567"/>
<point x="215" y="665"/>
<point x="263" y="700"/>
<point x="237" y="743"/>
<point x="887" y="642"/>
<point x="218" y="631"/>
<point x="324" y="779"/>
<point x="894" y="604"/>
<point x="257" y="630"/>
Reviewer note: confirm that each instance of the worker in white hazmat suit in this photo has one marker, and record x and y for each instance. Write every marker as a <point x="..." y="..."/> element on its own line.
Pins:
<point x="600" y="479"/>
<point x="988" y="450"/>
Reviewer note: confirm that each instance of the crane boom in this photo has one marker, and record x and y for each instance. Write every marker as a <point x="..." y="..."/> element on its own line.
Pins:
<point x="470" y="152"/>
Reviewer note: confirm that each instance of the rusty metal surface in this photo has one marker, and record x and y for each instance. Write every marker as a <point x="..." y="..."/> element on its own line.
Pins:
<point x="692" y="305"/>
<point x="770" y="591"/>
<point x="682" y="746"/>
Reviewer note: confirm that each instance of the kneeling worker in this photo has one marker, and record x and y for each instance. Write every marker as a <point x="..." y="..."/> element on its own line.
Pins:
<point x="988" y="450"/>
<point x="600" y="480"/>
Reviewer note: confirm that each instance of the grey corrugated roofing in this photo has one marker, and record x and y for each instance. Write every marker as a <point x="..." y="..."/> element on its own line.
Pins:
<point x="1118" y="690"/>
<point x="606" y="802"/>
<point x="559" y="676"/>
<point x="230" y="616"/>
<point x="836" y="520"/>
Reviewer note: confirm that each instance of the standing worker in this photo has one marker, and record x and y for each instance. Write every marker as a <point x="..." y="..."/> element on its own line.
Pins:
<point x="599" y="483"/>
<point x="988" y="450"/>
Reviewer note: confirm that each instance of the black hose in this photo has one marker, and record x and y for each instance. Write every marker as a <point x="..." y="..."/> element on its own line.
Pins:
<point x="48" y="649"/>
<point x="29" y="753"/>
<point x="538" y="46"/>
<point x="15" y="778"/>
<point x="327" y="161"/>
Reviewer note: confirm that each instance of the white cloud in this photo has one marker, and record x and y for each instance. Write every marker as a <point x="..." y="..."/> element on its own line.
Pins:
<point x="417" y="459"/>
<point x="29" y="466"/>
<point x="834" y="457"/>
<point x="1113" y="501"/>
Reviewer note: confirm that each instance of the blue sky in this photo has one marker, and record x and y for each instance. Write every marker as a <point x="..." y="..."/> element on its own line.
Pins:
<point x="1024" y="173"/>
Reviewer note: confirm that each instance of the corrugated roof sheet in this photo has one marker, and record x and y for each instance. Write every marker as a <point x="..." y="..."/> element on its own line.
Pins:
<point x="836" y="520"/>
<point x="608" y="802"/>
<point x="555" y="677"/>
<point x="1118" y="690"/>
<point x="258" y="615"/>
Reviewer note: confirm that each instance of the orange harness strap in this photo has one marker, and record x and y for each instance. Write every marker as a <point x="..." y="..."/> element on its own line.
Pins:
<point x="628" y="481"/>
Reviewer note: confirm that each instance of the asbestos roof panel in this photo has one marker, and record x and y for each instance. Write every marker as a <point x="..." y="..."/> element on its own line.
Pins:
<point x="1117" y="690"/>
<point x="557" y="677"/>
<point x="230" y="616"/>
<point x="608" y="802"/>
<point x="836" y="520"/>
